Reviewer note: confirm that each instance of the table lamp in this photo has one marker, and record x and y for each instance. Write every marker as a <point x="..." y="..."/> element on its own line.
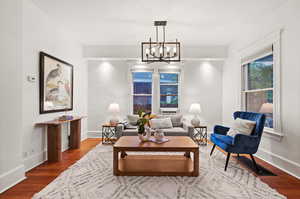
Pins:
<point x="195" y="109"/>
<point x="114" y="109"/>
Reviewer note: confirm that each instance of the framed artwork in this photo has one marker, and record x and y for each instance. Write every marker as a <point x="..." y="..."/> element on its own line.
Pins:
<point x="56" y="84"/>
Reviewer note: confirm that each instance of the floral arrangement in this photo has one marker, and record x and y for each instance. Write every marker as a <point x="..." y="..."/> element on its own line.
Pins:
<point x="143" y="120"/>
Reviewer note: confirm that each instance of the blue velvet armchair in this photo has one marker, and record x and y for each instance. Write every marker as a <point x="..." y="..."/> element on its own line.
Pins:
<point x="239" y="144"/>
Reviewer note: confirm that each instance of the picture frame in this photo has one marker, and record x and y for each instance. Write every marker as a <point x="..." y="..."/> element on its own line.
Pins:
<point x="56" y="84"/>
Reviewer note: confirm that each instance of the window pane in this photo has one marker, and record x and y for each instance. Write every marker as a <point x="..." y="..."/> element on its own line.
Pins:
<point x="142" y="88"/>
<point x="168" y="78"/>
<point x="261" y="101"/>
<point x="142" y="76"/>
<point x="142" y="83"/>
<point x="141" y="103"/>
<point x="260" y="73"/>
<point x="169" y="90"/>
<point x="169" y="101"/>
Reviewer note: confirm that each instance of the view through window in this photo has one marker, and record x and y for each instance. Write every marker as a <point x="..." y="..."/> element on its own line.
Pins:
<point x="258" y="87"/>
<point x="142" y="91"/>
<point x="169" y="90"/>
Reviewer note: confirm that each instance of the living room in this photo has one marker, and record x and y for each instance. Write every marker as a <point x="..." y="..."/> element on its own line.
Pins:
<point x="202" y="78"/>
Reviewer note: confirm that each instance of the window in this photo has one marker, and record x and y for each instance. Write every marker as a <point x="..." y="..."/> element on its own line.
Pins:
<point x="258" y="86"/>
<point x="169" y="90"/>
<point x="142" y="91"/>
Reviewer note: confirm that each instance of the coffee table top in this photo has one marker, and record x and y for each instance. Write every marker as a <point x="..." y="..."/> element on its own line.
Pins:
<point x="174" y="143"/>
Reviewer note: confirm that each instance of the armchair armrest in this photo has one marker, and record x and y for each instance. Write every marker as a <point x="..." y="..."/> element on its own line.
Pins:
<point x="245" y="140"/>
<point x="188" y="128"/>
<point x="218" y="129"/>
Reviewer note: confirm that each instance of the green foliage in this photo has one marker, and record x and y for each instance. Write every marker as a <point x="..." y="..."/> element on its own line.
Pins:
<point x="142" y="121"/>
<point x="260" y="75"/>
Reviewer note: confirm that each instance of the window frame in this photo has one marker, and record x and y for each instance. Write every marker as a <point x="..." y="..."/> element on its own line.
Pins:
<point x="246" y="90"/>
<point x="274" y="40"/>
<point x="176" y="84"/>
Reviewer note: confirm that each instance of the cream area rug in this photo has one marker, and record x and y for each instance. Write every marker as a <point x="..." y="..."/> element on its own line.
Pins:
<point x="92" y="178"/>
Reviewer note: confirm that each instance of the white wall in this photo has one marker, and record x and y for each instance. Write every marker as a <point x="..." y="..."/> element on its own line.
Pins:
<point x="40" y="33"/>
<point x="283" y="152"/>
<point x="11" y="166"/>
<point x="109" y="82"/>
<point x="124" y="51"/>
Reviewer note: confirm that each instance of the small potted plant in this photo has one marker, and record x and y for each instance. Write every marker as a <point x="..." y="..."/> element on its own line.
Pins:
<point x="144" y="131"/>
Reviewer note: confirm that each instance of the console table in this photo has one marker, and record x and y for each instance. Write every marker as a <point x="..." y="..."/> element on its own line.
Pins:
<point x="54" y="137"/>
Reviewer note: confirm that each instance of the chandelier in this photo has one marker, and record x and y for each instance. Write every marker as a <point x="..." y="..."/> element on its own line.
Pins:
<point x="160" y="51"/>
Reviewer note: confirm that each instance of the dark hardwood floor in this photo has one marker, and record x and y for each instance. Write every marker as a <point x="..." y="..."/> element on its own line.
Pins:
<point x="42" y="175"/>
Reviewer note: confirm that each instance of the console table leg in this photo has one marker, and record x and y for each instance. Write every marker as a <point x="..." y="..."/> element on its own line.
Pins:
<point x="54" y="143"/>
<point x="75" y="134"/>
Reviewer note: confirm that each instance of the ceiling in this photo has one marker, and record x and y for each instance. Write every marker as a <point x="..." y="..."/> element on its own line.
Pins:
<point x="128" y="22"/>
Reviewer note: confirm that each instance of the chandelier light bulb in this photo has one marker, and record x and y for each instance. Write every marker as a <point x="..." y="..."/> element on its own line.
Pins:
<point x="147" y="51"/>
<point x="153" y="50"/>
<point x="161" y="51"/>
<point x="175" y="51"/>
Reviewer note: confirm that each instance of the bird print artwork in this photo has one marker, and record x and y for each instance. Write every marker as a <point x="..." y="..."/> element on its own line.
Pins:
<point x="58" y="84"/>
<point x="54" y="73"/>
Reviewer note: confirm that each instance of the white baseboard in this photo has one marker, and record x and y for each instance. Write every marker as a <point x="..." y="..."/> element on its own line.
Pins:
<point x="11" y="178"/>
<point x="288" y="166"/>
<point x="34" y="160"/>
<point x="84" y="137"/>
<point x="94" y="134"/>
<point x="37" y="159"/>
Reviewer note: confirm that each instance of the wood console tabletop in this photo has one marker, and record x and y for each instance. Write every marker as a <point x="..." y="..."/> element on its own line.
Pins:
<point x="156" y="165"/>
<point x="54" y="136"/>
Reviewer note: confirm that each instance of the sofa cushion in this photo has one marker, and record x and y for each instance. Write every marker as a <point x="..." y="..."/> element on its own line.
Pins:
<point x="161" y="123"/>
<point x="132" y="119"/>
<point x="174" y="130"/>
<point x="130" y="130"/>
<point x="129" y="126"/>
<point x="176" y="120"/>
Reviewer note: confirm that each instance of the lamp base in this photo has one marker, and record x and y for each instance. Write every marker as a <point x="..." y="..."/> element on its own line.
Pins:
<point x="195" y="121"/>
<point x="114" y="121"/>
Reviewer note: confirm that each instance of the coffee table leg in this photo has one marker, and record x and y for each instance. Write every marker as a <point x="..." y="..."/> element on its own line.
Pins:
<point x="116" y="162"/>
<point x="187" y="154"/>
<point x="196" y="163"/>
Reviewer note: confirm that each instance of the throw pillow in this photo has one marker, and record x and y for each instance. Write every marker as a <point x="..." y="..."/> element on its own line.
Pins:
<point x="241" y="126"/>
<point x="163" y="123"/>
<point x="176" y="120"/>
<point x="128" y="126"/>
<point x="132" y="119"/>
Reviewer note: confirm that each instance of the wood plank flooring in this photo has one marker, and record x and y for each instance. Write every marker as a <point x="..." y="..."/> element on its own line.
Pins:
<point x="42" y="175"/>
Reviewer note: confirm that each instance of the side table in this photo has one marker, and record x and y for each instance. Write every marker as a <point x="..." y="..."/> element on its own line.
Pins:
<point x="200" y="135"/>
<point x="109" y="133"/>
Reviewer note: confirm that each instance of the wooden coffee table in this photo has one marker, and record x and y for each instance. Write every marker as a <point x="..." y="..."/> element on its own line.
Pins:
<point x="156" y="165"/>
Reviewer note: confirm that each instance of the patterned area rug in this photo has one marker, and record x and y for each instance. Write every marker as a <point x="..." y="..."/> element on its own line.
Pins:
<point x="91" y="178"/>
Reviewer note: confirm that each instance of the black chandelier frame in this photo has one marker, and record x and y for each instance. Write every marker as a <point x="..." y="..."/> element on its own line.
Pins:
<point x="164" y="54"/>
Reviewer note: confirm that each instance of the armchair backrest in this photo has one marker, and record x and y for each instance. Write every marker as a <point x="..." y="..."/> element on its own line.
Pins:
<point x="259" y="118"/>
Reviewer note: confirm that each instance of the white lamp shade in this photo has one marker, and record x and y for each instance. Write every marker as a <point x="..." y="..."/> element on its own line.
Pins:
<point x="266" y="108"/>
<point x="114" y="108"/>
<point x="195" y="108"/>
